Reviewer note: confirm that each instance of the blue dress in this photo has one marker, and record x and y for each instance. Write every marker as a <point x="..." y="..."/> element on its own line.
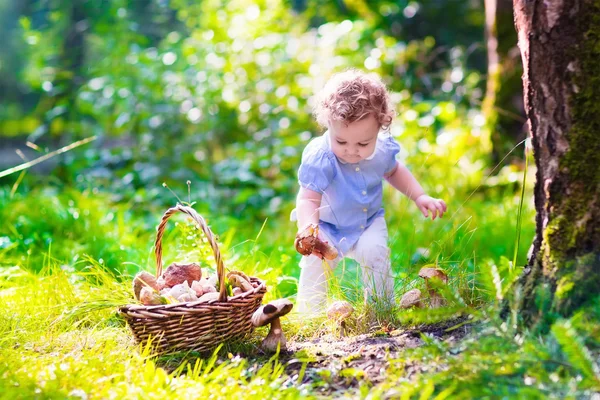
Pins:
<point x="352" y="192"/>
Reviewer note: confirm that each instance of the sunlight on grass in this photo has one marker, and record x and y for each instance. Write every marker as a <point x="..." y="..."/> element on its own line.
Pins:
<point x="61" y="337"/>
<point x="63" y="278"/>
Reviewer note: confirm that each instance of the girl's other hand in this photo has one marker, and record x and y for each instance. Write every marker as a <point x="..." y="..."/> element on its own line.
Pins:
<point x="428" y="203"/>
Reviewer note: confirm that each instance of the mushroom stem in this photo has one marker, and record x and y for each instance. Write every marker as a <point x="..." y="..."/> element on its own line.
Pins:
<point x="328" y="251"/>
<point x="343" y="329"/>
<point x="275" y="337"/>
<point x="435" y="299"/>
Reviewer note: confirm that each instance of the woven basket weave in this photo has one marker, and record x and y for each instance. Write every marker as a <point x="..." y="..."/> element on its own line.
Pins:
<point x="193" y="325"/>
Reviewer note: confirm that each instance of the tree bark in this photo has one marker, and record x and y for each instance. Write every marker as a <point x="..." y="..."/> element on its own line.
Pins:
<point x="560" y="47"/>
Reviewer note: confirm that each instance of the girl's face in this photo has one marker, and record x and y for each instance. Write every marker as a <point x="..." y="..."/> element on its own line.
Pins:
<point x="356" y="141"/>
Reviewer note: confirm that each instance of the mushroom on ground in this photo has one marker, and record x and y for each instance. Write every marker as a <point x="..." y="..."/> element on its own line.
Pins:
<point x="308" y="241"/>
<point x="179" y="273"/>
<point x="412" y="298"/>
<point x="436" y="300"/>
<point x="270" y="314"/>
<point x="339" y="311"/>
<point x="141" y="280"/>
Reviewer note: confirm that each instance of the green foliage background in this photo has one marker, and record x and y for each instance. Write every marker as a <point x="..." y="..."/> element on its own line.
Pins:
<point x="219" y="94"/>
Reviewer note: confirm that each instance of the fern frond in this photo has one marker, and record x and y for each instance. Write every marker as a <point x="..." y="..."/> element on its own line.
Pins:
<point x="575" y="351"/>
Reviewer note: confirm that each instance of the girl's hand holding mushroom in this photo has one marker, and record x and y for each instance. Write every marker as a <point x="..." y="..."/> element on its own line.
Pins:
<point x="309" y="242"/>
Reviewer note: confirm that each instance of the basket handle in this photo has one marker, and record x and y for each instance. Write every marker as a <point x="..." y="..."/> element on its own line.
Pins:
<point x="207" y="232"/>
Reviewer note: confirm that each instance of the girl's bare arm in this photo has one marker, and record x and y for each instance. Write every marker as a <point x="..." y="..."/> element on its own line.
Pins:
<point x="404" y="181"/>
<point x="307" y="207"/>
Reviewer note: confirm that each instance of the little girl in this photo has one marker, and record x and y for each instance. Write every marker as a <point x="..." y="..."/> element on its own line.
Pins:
<point x="340" y="181"/>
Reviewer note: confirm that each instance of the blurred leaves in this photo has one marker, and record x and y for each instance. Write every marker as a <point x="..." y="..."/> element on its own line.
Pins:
<point x="221" y="94"/>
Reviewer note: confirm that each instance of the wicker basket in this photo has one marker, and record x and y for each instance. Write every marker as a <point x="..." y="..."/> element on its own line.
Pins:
<point x="193" y="325"/>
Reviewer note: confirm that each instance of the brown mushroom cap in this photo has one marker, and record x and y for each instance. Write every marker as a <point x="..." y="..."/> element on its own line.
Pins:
<point x="306" y="240"/>
<point x="179" y="273"/>
<point x="238" y="281"/>
<point x="240" y="273"/>
<point x="149" y="297"/>
<point x="411" y="298"/>
<point x="340" y="310"/>
<point x="268" y="312"/>
<point x="428" y="273"/>
<point x="141" y="280"/>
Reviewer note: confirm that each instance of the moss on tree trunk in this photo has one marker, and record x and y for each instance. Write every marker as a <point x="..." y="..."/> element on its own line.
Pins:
<point x="560" y="48"/>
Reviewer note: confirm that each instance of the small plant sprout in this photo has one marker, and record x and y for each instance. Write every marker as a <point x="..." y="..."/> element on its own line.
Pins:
<point x="189" y="185"/>
<point x="270" y="314"/>
<point x="339" y="311"/>
<point x="174" y="194"/>
<point x="412" y="298"/>
<point x="427" y="273"/>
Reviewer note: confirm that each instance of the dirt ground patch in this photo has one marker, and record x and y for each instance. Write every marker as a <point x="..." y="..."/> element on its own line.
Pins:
<point x="339" y="363"/>
<point x="333" y="366"/>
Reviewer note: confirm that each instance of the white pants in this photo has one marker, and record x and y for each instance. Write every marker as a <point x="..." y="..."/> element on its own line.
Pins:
<point x="370" y="251"/>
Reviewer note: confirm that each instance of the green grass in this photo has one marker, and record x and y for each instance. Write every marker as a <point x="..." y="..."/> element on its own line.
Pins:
<point x="63" y="276"/>
<point x="61" y="336"/>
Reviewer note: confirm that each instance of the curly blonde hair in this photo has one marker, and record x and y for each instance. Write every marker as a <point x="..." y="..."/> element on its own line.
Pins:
<point x="351" y="96"/>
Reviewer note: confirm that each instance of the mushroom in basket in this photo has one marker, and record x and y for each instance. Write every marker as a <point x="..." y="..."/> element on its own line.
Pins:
<point x="175" y="284"/>
<point x="240" y="280"/>
<point x="179" y="273"/>
<point x="144" y="279"/>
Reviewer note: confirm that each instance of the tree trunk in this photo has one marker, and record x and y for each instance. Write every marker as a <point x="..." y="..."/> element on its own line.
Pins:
<point x="560" y="47"/>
